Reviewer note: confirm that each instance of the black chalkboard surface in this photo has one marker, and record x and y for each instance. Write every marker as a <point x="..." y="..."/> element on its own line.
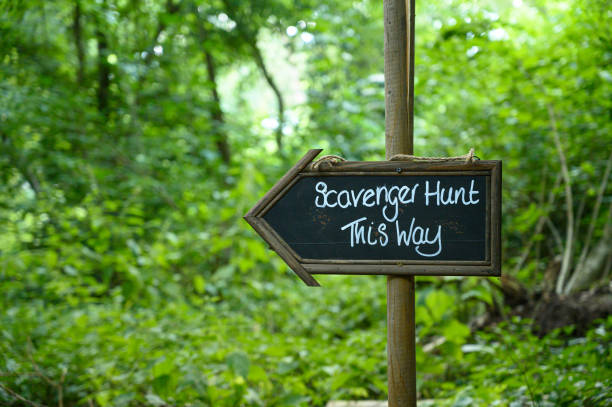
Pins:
<point x="410" y="217"/>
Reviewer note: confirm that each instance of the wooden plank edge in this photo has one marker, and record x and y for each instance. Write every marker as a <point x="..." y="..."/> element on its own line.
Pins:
<point x="410" y="166"/>
<point x="281" y="183"/>
<point x="497" y="215"/>
<point x="406" y="270"/>
<point x="276" y="245"/>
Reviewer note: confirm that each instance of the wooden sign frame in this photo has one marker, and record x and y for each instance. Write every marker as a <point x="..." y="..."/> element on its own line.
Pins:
<point x="305" y="268"/>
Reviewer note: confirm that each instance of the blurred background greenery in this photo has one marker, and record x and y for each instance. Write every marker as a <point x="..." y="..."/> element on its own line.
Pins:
<point x="134" y="134"/>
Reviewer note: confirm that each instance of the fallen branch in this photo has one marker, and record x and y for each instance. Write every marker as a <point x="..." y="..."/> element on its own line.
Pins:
<point x="20" y="397"/>
<point x="59" y="386"/>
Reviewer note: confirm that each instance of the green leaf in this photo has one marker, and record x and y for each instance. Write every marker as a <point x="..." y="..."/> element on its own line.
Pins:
<point x="199" y="284"/>
<point x="455" y="331"/>
<point x="239" y="363"/>
<point x="154" y="400"/>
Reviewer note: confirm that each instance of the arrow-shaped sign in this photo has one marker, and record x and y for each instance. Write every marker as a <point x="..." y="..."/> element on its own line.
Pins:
<point x="384" y="217"/>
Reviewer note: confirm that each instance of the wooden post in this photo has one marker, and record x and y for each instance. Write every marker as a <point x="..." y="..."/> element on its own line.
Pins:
<point x="401" y="359"/>
<point x="399" y="127"/>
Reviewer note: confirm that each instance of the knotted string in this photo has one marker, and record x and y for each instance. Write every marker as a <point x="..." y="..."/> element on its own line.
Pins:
<point x="467" y="158"/>
<point x="332" y="159"/>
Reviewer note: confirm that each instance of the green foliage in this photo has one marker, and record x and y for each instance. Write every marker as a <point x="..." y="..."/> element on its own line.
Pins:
<point x="508" y="366"/>
<point x="135" y="134"/>
<point x="180" y="354"/>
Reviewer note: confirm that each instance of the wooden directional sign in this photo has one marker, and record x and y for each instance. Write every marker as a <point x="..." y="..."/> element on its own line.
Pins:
<point x="384" y="217"/>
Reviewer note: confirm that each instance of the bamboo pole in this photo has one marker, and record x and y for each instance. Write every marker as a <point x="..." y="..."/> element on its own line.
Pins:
<point x="399" y="127"/>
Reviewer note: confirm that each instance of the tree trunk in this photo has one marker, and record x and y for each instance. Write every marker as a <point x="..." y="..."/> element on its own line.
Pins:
<point x="593" y="266"/>
<point x="78" y="41"/>
<point x="568" y="251"/>
<point x="280" y="103"/>
<point x="250" y="39"/>
<point x="580" y="266"/>
<point x="217" y="112"/>
<point x="103" y="90"/>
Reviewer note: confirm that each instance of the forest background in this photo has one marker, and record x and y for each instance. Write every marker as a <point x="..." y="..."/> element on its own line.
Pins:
<point x="134" y="134"/>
